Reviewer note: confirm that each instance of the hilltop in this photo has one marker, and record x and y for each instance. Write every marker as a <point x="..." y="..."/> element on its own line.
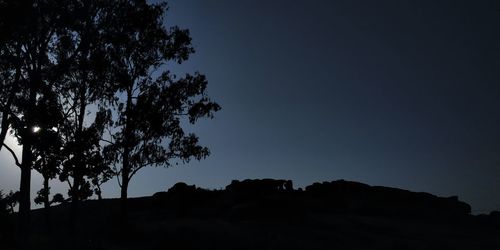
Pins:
<point x="271" y="214"/>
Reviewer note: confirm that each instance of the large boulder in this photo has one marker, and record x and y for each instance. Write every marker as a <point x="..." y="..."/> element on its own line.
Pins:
<point x="355" y="197"/>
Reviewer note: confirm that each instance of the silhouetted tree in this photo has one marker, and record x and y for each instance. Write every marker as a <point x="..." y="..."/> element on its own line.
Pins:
<point x="6" y="98"/>
<point x="102" y="172"/>
<point x="11" y="199"/>
<point x="29" y="32"/>
<point x="48" y="50"/>
<point x="84" y="95"/>
<point x="7" y="203"/>
<point x="69" y="67"/>
<point x="47" y="147"/>
<point x="3" y="205"/>
<point x="152" y="102"/>
<point x="47" y="143"/>
<point x="84" y="160"/>
<point x="10" y="69"/>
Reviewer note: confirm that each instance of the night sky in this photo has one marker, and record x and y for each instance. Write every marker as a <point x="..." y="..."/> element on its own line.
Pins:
<point x="395" y="93"/>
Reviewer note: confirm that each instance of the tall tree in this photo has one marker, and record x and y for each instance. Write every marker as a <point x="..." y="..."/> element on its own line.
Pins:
<point x="152" y="102"/>
<point x="10" y="68"/>
<point x="85" y="93"/>
<point x="47" y="144"/>
<point x="29" y="31"/>
<point x="41" y="41"/>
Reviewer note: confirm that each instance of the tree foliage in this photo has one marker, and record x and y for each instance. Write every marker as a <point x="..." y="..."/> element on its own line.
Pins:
<point x="87" y="94"/>
<point x="30" y="33"/>
<point x="151" y="100"/>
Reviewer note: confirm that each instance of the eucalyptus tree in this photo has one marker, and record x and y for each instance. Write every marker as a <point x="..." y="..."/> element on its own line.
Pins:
<point x="46" y="149"/>
<point x="29" y="32"/>
<point x="152" y="102"/>
<point x="10" y="67"/>
<point x="47" y="144"/>
<point x="49" y="54"/>
<point x="84" y="95"/>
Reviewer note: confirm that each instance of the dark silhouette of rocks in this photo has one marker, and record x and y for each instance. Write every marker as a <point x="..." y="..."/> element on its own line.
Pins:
<point x="260" y="186"/>
<point x="491" y="220"/>
<point x="270" y="214"/>
<point x="354" y="197"/>
<point x="277" y="199"/>
<point x="495" y="215"/>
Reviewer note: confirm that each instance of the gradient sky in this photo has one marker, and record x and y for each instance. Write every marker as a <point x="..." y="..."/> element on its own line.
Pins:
<point x="395" y="93"/>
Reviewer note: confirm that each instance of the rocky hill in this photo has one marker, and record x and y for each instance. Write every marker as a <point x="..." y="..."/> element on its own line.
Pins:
<point x="271" y="214"/>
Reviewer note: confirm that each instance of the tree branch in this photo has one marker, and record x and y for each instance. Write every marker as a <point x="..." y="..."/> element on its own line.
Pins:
<point x="69" y="184"/>
<point x="135" y="171"/>
<point x="110" y="142"/>
<point x="13" y="154"/>
<point x="144" y="165"/>
<point x="118" y="179"/>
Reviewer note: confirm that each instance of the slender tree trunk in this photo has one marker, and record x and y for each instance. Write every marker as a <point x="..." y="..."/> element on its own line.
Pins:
<point x="79" y="163"/>
<point x="27" y="158"/>
<point x="46" y="204"/>
<point x="125" y="182"/>
<point x="99" y="192"/>
<point x="125" y="158"/>
<point x="73" y="212"/>
<point x="24" y="191"/>
<point x="123" y="202"/>
<point x="124" y="189"/>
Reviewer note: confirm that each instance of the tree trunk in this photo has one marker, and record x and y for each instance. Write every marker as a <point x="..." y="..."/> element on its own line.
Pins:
<point x="73" y="212"/>
<point x="98" y="191"/>
<point x="125" y="182"/>
<point x="123" y="197"/>
<point x="24" y="191"/>
<point x="125" y="158"/>
<point x="124" y="189"/>
<point x="46" y="204"/>
<point x="27" y="158"/>
<point x="79" y="165"/>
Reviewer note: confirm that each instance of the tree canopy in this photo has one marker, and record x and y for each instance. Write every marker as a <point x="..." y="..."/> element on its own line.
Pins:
<point x="87" y="93"/>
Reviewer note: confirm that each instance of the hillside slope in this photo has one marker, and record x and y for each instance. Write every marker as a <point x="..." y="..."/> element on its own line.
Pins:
<point x="270" y="214"/>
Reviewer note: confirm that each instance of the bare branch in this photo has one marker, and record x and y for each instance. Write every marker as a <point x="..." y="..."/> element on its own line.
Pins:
<point x="143" y="165"/>
<point x="118" y="179"/>
<point x="135" y="171"/>
<point x="13" y="154"/>
<point x="110" y="142"/>
<point x="69" y="184"/>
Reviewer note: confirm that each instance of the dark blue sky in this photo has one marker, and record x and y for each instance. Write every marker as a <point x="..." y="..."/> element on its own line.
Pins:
<point x="394" y="93"/>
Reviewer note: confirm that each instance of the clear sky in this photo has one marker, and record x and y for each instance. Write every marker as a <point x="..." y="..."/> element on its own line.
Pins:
<point x="395" y="93"/>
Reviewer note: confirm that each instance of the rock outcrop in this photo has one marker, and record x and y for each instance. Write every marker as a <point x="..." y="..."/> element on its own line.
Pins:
<point x="270" y="198"/>
<point x="348" y="196"/>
